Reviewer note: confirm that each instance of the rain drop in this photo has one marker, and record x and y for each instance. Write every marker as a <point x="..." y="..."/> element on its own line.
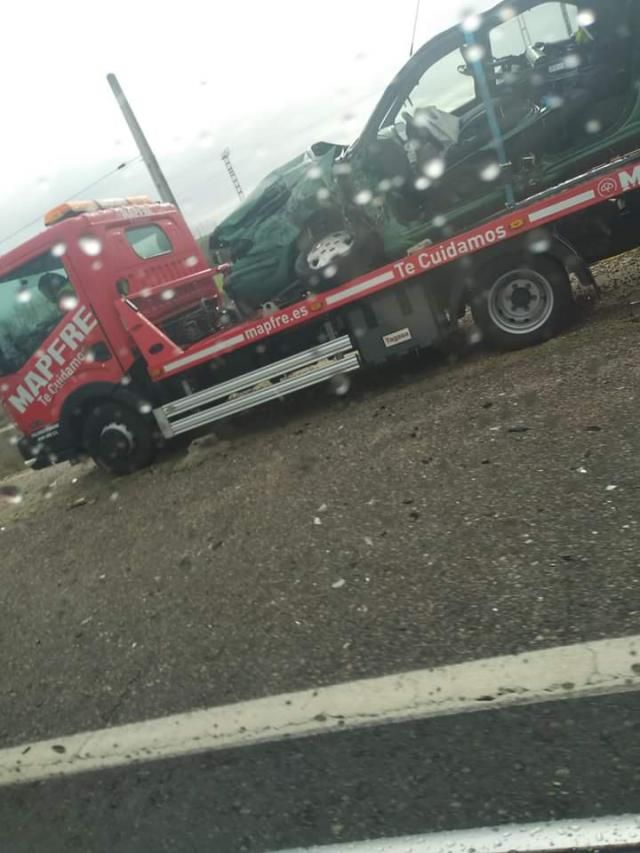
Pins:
<point x="168" y="294"/>
<point x="144" y="408"/>
<point x="434" y="169"/>
<point x="323" y="194"/>
<point x="363" y="197"/>
<point x="539" y="242"/>
<point x="439" y="221"/>
<point x="90" y="245"/>
<point x="422" y="184"/>
<point x="593" y="126"/>
<point x="191" y="261"/>
<point x="314" y="173"/>
<point x="24" y="294"/>
<point x="475" y="53"/>
<point x="58" y="250"/>
<point x="507" y="13"/>
<point x="490" y="172"/>
<point x="69" y="302"/>
<point x="340" y="384"/>
<point x="586" y="18"/>
<point x="471" y="23"/>
<point x="330" y="271"/>
<point x="10" y="494"/>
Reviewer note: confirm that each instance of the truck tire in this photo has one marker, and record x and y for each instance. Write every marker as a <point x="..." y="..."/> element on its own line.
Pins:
<point x="119" y="439"/>
<point x="521" y="301"/>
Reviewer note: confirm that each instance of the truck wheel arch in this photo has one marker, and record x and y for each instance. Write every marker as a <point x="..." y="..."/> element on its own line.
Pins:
<point x="559" y="249"/>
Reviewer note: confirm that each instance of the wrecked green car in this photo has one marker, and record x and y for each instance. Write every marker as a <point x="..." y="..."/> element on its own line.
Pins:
<point x="527" y="95"/>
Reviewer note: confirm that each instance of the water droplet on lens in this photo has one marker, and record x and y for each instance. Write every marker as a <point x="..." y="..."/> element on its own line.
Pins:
<point x="68" y="303"/>
<point x="90" y="245"/>
<point x="475" y="53"/>
<point x="340" y="384"/>
<point x="144" y="408"/>
<point x="363" y="197"/>
<point x="168" y="294"/>
<point x="539" y="242"/>
<point x="323" y="194"/>
<point x="191" y="261"/>
<point x="593" y="126"/>
<point x="58" y="250"/>
<point x="314" y="173"/>
<point x="471" y="23"/>
<point x="434" y="169"/>
<point x="330" y="270"/>
<point x="422" y="184"/>
<point x="10" y="494"/>
<point x="586" y="18"/>
<point x="490" y="172"/>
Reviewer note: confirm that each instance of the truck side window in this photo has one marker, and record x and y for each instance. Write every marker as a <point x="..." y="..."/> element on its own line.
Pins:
<point x="34" y="298"/>
<point x="148" y="241"/>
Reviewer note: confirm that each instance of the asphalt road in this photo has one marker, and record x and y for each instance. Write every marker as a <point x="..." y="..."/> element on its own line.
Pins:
<point x="437" y="512"/>
<point x="567" y="760"/>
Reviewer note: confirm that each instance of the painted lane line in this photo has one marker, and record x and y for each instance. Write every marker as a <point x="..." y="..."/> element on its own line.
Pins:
<point x="561" y="206"/>
<point x="593" y="833"/>
<point x="582" y="670"/>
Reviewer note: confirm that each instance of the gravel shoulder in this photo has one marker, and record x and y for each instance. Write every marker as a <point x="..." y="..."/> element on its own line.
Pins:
<point x="440" y="511"/>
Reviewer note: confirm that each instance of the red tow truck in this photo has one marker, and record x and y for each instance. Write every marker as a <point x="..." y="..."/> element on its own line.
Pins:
<point x="115" y="336"/>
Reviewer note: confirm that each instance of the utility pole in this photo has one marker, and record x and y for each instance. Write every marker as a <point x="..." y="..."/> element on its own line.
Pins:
<point x="157" y="176"/>
<point x="226" y="159"/>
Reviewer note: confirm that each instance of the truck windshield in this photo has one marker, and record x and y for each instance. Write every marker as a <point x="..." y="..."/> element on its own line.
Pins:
<point x="33" y="299"/>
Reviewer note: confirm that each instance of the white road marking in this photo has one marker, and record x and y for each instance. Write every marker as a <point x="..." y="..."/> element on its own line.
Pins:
<point x="519" y="838"/>
<point x="586" y="669"/>
<point x="561" y="206"/>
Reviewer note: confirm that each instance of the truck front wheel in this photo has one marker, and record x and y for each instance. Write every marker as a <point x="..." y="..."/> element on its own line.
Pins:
<point x="521" y="301"/>
<point x="119" y="439"/>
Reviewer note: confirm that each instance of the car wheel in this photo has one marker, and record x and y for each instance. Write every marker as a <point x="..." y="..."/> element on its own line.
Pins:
<point x="334" y="258"/>
<point x="119" y="439"/>
<point x="521" y="301"/>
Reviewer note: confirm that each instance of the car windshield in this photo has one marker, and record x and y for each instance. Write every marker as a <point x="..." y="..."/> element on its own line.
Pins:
<point x="319" y="465"/>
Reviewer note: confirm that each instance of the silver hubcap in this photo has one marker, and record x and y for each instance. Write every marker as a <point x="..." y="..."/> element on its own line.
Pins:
<point x="520" y="302"/>
<point x="326" y="251"/>
<point x="116" y="440"/>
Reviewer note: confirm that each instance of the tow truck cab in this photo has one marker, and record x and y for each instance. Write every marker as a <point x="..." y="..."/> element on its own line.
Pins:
<point x="62" y="342"/>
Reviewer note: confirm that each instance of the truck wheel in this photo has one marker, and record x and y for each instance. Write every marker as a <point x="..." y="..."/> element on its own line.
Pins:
<point x="118" y="439"/>
<point x="521" y="301"/>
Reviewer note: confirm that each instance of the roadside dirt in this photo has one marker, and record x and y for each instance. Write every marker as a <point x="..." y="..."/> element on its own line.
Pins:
<point x="441" y="509"/>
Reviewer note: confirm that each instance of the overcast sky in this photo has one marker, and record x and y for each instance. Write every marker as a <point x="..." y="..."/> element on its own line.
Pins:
<point x="265" y="77"/>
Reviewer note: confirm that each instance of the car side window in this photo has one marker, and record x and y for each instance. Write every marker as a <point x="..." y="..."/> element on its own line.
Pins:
<point x="148" y="241"/>
<point x="547" y="23"/>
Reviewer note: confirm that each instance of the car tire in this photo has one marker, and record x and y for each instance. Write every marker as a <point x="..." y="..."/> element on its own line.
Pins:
<point x="332" y="259"/>
<point x="119" y="439"/>
<point x="521" y="301"/>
